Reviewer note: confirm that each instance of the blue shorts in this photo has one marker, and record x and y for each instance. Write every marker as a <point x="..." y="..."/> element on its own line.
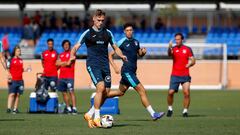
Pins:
<point x="51" y="82"/>
<point x="97" y="75"/>
<point x="16" y="87"/>
<point x="129" y="79"/>
<point x="65" y="85"/>
<point x="177" y="80"/>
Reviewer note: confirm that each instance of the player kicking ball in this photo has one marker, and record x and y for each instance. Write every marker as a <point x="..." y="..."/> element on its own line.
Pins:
<point x="131" y="48"/>
<point x="97" y="39"/>
<point x="183" y="59"/>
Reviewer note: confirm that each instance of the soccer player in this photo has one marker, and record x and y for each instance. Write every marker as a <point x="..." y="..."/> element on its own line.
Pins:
<point x="49" y="58"/>
<point x="97" y="39"/>
<point x="66" y="77"/>
<point x="131" y="48"/>
<point x="183" y="59"/>
<point x="16" y="85"/>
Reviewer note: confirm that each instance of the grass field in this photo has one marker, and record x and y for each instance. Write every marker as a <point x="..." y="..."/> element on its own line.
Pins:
<point x="211" y="113"/>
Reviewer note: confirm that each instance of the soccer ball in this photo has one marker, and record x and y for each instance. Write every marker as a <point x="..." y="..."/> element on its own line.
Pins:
<point x="107" y="121"/>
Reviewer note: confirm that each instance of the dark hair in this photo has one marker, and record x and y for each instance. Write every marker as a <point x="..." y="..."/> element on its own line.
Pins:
<point x="14" y="50"/>
<point x="65" y="41"/>
<point x="50" y="39"/>
<point x="99" y="12"/>
<point x="179" y="34"/>
<point x="127" y="25"/>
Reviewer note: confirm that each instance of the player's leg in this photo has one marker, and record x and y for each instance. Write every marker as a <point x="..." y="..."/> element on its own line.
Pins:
<point x="10" y="102"/>
<point x="73" y="99"/>
<point x="123" y="87"/>
<point x="174" y="85"/>
<point x="16" y="102"/>
<point x="62" y="87"/>
<point x="144" y="99"/>
<point x="186" y="101"/>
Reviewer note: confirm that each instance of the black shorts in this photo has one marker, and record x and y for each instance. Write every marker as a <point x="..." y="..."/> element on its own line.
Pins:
<point x="129" y="79"/>
<point x="175" y="81"/>
<point x="100" y="74"/>
<point x="16" y="87"/>
<point x="51" y="82"/>
<point x="65" y="85"/>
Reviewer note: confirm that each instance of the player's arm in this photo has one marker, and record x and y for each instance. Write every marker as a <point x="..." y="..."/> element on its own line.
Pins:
<point x="113" y="64"/>
<point x="4" y="64"/>
<point x="119" y="52"/>
<point x="170" y="48"/>
<point x="192" y="62"/>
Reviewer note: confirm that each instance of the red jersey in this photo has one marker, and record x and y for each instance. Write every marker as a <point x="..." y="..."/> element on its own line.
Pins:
<point x="16" y="69"/>
<point x="180" y="60"/>
<point x="68" y="71"/>
<point x="49" y="59"/>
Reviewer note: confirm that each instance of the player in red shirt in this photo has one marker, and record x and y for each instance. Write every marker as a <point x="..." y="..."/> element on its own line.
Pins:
<point x="49" y="58"/>
<point x="16" y="84"/>
<point x="183" y="59"/>
<point x="66" y="77"/>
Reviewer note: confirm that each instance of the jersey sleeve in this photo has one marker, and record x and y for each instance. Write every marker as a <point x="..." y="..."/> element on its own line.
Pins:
<point x="120" y="42"/>
<point x="190" y="53"/>
<point x="82" y="38"/>
<point x="112" y="39"/>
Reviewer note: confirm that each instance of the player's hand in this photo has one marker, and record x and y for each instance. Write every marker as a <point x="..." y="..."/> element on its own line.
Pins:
<point x="9" y="76"/>
<point x="188" y="65"/>
<point x="143" y="50"/>
<point x="72" y="58"/>
<point x="124" y="58"/>
<point x="170" y="44"/>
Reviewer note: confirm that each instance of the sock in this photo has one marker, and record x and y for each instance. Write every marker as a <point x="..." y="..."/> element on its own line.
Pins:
<point x="150" y="110"/>
<point x="74" y="108"/>
<point x="185" y="110"/>
<point x="170" y="108"/>
<point x="97" y="114"/>
<point x="91" y="111"/>
<point x="69" y="108"/>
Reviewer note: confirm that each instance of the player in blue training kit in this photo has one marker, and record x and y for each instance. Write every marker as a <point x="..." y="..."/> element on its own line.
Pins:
<point x="130" y="47"/>
<point x="97" y="39"/>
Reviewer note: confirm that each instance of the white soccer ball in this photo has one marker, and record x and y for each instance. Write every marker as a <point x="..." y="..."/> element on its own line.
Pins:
<point x="107" y="121"/>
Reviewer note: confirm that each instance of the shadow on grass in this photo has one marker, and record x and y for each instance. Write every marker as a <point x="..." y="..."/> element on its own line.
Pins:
<point x="12" y="120"/>
<point x="127" y="125"/>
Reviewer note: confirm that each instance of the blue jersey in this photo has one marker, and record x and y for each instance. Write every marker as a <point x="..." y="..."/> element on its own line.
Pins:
<point x="1" y="47"/>
<point x="129" y="48"/>
<point x="97" y="46"/>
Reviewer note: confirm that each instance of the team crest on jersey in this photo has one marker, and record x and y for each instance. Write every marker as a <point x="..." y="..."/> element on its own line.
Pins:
<point x="61" y="55"/>
<point x="184" y="51"/>
<point x="67" y="55"/>
<point x="53" y="55"/>
<point x="136" y="43"/>
<point x="177" y="50"/>
<point x="15" y="62"/>
<point x="108" y="78"/>
<point x="46" y="54"/>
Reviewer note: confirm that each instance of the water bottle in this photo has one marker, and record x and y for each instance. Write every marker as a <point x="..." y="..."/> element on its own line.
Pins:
<point x="61" y="108"/>
<point x="29" y="68"/>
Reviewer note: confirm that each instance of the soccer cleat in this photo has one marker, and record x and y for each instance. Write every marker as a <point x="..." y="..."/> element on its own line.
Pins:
<point x="88" y="118"/>
<point x="157" y="116"/>
<point x="9" y="110"/>
<point x="66" y="111"/>
<point x="185" y="114"/>
<point x="15" y="111"/>
<point x="74" y="112"/>
<point x="97" y="122"/>
<point x="169" y="113"/>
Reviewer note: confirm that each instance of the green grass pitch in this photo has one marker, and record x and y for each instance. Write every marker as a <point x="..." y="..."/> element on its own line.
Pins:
<point x="211" y="113"/>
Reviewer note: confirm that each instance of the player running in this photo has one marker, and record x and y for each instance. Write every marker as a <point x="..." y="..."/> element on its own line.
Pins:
<point x="49" y="58"/>
<point x="131" y="48"/>
<point x="16" y="84"/>
<point x="181" y="55"/>
<point x="66" y="77"/>
<point x="97" y="39"/>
